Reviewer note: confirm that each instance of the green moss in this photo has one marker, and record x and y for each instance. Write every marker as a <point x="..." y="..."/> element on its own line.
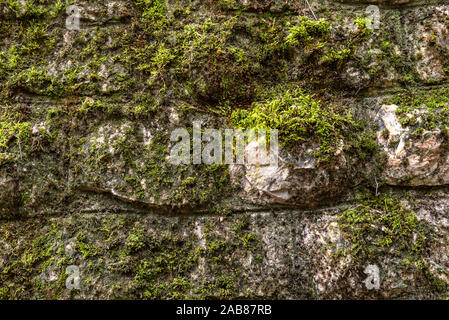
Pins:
<point x="135" y="240"/>
<point x="299" y="117"/>
<point x="211" y="182"/>
<point x="336" y="56"/>
<point x="362" y="26"/>
<point x="161" y="275"/>
<point x="9" y="131"/>
<point x="82" y="245"/>
<point x="90" y="105"/>
<point x="37" y="81"/>
<point x="377" y="225"/>
<point x="154" y="12"/>
<point x="306" y="30"/>
<point x="431" y="107"/>
<point x="33" y="9"/>
<point x="28" y="261"/>
<point x="214" y="61"/>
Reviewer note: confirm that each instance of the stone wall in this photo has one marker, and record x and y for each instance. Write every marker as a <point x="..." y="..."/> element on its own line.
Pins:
<point x="361" y="103"/>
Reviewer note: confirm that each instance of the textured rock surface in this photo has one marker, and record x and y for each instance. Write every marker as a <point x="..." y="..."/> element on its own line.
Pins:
<point x="85" y="121"/>
<point x="296" y="179"/>
<point x="412" y="161"/>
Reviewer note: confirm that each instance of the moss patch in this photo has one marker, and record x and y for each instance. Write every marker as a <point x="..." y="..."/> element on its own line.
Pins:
<point x="423" y="109"/>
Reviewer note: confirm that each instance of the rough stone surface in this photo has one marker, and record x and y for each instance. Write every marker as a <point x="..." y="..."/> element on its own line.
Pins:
<point x="86" y="116"/>
<point x="411" y="161"/>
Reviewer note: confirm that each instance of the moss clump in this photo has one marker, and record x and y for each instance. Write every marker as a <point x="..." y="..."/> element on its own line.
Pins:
<point x="362" y="26"/>
<point x="10" y="130"/>
<point x="154" y="13"/>
<point x="299" y="117"/>
<point x="377" y="225"/>
<point x="306" y="30"/>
